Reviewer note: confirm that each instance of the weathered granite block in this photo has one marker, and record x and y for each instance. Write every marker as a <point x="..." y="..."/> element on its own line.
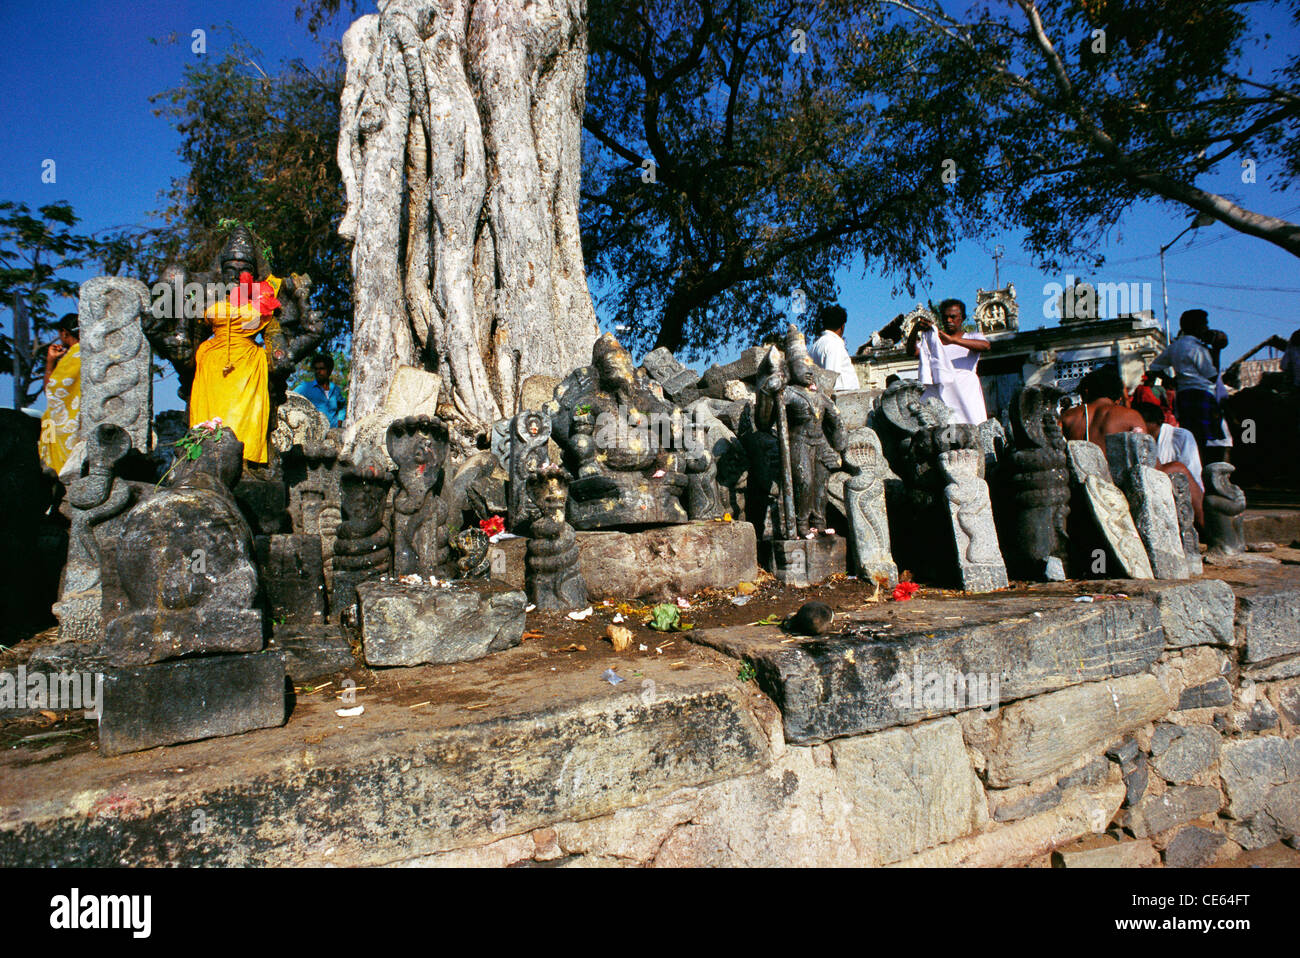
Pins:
<point x="1196" y="613"/>
<point x="311" y="651"/>
<point x="189" y="700"/>
<point x="915" y="785"/>
<point x="1269" y="624"/>
<point x="1032" y="740"/>
<point x="1251" y="767"/>
<point x="1096" y="493"/>
<point x="804" y="562"/>
<point x="746" y="367"/>
<point x="291" y="569"/>
<point x="1216" y="693"/>
<point x="1193" y="847"/>
<point x="862" y="681"/>
<point x="669" y="561"/>
<point x="1177" y="806"/>
<point x="1183" y="753"/>
<point x="420" y="624"/>
<point x="1133" y="854"/>
<point x="139" y="638"/>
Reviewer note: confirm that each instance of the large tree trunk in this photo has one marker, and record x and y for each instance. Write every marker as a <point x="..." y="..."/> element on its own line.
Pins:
<point x="460" y="148"/>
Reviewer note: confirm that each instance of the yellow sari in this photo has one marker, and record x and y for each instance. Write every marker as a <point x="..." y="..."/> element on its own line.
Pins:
<point x="62" y="416"/>
<point x="230" y="377"/>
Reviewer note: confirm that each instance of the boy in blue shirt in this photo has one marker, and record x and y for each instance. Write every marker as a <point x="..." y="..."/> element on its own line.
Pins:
<point x="324" y="395"/>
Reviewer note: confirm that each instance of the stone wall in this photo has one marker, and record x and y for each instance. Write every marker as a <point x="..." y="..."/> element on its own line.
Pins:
<point x="1187" y="759"/>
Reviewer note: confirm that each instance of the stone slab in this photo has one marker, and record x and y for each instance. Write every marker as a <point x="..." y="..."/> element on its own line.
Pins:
<point x="193" y="699"/>
<point x="1177" y="806"/>
<point x="393" y="784"/>
<point x="1112" y="854"/>
<point x="917" y="782"/>
<point x="1196" y="613"/>
<point x="667" y="562"/>
<point x="805" y="562"/>
<point x="1216" y="693"/>
<point x="312" y="651"/>
<point x="1194" y="847"/>
<point x="1268" y="624"/>
<point x="1188" y="752"/>
<point x="1251" y="767"/>
<point x="865" y="678"/>
<point x="139" y="638"/>
<point x="1031" y="740"/>
<point x="405" y="624"/>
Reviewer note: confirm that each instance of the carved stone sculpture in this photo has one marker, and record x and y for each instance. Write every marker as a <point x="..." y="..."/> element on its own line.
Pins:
<point x="1112" y="532"/>
<point x="979" y="559"/>
<point x="363" y="545"/>
<point x="864" y="501"/>
<point x="621" y="443"/>
<point x="809" y="433"/>
<point x="96" y="497"/>
<point x="473" y="562"/>
<point x="418" y="444"/>
<point x="297" y="422"/>
<point x="185" y="562"/>
<point x="553" y="579"/>
<point x="1132" y="458"/>
<point x="1041" y="485"/>
<point x="527" y="437"/>
<point x="1225" y="533"/>
<point x="116" y="367"/>
<point x="1182" y="487"/>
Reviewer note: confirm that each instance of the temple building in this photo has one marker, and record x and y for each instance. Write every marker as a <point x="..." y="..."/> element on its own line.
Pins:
<point x="1058" y="355"/>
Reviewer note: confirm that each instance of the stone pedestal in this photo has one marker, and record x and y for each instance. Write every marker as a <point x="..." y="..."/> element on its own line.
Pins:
<point x="804" y="562"/>
<point x="431" y="625"/>
<point x="311" y="651"/>
<point x="141" y="637"/>
<point x="191" y="699"/>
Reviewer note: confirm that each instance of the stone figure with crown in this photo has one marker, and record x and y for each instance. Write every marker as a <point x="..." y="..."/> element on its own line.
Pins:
<point x="204" y="324"/>
<point x="625" y="447"/>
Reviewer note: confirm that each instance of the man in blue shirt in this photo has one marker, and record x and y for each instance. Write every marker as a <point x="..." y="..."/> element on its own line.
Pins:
<point x="324" y="395"/>
<point x="1196" y="374"/>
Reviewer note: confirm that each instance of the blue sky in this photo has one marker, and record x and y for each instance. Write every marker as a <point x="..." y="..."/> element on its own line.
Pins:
<point x="77" y="75"/>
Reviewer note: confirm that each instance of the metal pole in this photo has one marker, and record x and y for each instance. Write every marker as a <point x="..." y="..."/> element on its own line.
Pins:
<point x="1164" y="292"/>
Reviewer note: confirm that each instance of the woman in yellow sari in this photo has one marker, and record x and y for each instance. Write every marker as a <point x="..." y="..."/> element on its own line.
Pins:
<point x="62" y="416"/>
<point x="230" y="377"/>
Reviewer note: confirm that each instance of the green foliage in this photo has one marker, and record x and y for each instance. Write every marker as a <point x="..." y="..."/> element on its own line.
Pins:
<point x="259" y="148"/>
<point x="666" y="617"/>
<point x="746" y="672"/>
<point x="36" y="254"/>
<point x="789" y="139"/>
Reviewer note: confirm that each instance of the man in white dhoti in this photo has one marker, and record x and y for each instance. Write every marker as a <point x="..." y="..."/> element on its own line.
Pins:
<point x="948" y="359"/>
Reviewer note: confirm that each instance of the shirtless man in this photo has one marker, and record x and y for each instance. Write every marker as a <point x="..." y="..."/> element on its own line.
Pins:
<point x="1101" y="413"/>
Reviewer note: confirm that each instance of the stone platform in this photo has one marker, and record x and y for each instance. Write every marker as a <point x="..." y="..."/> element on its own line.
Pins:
<point x="1128" y="716"/>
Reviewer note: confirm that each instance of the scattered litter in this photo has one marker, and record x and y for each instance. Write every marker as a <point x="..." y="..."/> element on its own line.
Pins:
<point x="418" y="704"/>
<point x="472" y="708"/>
<point x="612" y="677"/>
<point x="412" y="579"/>
<point x="740" y="599"/>
<point x="579" y="616"/>
<point x="663" y="645"/>
<point x="574" y="647"/>
<point x="644" y="647"/>
<point x="659" y="651"/>
<point x="828" y="532"/>
<point x="683" y="603"/>
<point x="811" y="535"/>
<point x="1038" y="615"/>
<point x="529" y="607"/>
<point x="620" y="636"/>
<point x="745" y="588"/>
<point x="502" y="536"/>
<point x="1083" y="598"/>
<point x="659" y="474"/>
<point x="848" y="657"/>
<point x="772" y="619"/>
<point x="350" y="713"/>
<point x="533" y="634"/>
<point x="618" y="616"/>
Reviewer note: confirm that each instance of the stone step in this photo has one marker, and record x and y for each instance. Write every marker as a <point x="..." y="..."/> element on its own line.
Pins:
<point x="492" y="748"/>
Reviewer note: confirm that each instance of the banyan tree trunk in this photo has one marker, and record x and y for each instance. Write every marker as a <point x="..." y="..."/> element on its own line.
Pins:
<point x="460" y="147"/>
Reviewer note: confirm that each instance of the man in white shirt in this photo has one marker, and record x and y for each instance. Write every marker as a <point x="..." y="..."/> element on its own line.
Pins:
<point x="1176" y="449"/>
<point x="829" y="351"/>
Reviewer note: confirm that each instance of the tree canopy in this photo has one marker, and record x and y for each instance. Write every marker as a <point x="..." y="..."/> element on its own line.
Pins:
<point x="258" y="147"/>
<point x="740" y="152"/>
<point x="1097" y="104"/>
<point x="37" y="252"/>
